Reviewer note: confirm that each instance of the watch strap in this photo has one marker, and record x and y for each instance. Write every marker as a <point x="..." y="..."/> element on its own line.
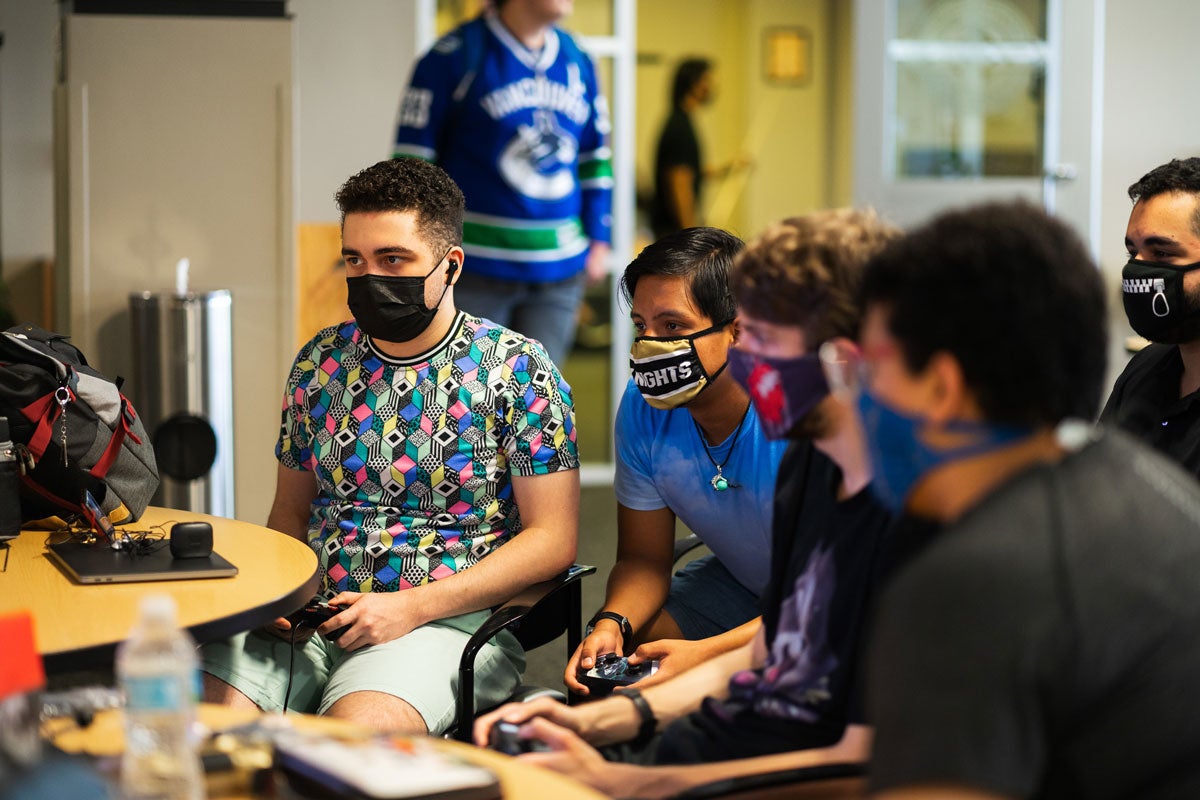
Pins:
<point x="648" y="724"/>
<point x="626" y="628"/>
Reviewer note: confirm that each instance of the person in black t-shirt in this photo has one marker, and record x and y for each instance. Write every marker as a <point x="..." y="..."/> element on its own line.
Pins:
<point x="1044" y="643"/>
<point x="1157" y="396"/>
<point x="679" y="170"/>
<point x="678" y="167"/>
<point x="788" y="698"/>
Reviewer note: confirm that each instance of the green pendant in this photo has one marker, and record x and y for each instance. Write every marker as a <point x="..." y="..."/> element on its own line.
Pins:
<point x="719" y="483"/>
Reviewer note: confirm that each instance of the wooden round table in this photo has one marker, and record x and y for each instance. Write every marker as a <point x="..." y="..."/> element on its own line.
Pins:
<point x="78" y="627"/>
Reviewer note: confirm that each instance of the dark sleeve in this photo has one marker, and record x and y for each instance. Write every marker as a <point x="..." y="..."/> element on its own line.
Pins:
<point x="1112" y="406"/>
<point x="790" y="484"/>
<point x="1143" y="391"/>
<point x="952" y="683"/>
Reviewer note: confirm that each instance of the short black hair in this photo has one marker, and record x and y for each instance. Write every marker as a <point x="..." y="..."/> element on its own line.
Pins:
<point x="408" y="184"/>
<point x="1177" y="175"/>
<point x="687" y="75"/>
<point x="702" y="255"/>
<point x="1013" y="295"/>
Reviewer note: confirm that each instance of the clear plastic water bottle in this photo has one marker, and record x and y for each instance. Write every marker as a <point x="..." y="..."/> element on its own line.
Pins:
<point x="157" y="669"/>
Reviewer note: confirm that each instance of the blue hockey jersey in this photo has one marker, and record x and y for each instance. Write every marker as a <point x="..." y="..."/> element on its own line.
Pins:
<point x="525" y="136"/>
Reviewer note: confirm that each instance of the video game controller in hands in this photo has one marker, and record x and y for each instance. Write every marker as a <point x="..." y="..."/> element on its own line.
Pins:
<point x="504" y="738"/>
<point x="316" y="612"/>
<point x="612" y="670"/>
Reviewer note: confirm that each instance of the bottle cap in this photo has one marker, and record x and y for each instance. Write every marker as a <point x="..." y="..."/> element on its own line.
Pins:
<point x="158" y="608"/>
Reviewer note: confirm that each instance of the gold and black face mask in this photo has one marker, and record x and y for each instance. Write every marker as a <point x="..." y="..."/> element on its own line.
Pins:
<point x="667" y="369"/>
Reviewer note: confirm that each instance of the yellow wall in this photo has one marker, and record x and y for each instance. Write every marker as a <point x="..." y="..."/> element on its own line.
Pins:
<point x="668" y="31"/>
<point x="804" y="158"/>
<point x="803" y="162"/>
<point x="792" y="176"/>
<point x="841" y="103"/>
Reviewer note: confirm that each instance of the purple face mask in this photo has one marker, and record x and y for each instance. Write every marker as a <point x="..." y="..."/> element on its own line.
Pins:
<point x="783" y="390"/>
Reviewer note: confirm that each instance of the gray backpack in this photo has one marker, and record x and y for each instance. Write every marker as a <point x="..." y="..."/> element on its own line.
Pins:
<point x="73" y="429"/>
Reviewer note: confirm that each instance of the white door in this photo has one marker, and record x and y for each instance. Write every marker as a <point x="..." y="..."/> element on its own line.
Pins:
<point x="959" y="101"/>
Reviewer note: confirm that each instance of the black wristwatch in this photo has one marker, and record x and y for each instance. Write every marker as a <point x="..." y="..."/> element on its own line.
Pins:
<point x="626" y="628"/>
<point x="648" y="722"/>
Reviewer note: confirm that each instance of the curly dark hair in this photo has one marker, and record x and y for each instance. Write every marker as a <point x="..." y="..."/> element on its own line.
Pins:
<point x="1013" y="295"/>
<point x="703" y="256"/>
<point x="408" y="184"/>
<point x="806" y="271"/>
<point x="1177" y="175"/>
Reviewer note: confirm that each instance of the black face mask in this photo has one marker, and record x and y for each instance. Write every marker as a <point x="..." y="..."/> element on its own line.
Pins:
<point x="1155" y="302"/>
<point x="392" y="308"/>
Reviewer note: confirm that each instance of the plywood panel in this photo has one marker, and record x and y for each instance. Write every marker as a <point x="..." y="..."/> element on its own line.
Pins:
<point x="321" y="284"/>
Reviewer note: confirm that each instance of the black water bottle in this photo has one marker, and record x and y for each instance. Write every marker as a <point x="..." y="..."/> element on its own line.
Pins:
<point x="10" y="486"/>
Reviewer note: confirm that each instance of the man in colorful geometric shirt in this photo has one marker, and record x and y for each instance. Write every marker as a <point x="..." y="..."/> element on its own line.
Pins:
<point x="508" y="104"/>
<point x="416" y="440"/>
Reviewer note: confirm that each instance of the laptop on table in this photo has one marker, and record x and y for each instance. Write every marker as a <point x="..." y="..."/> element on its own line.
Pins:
<point x="99" y="563"/>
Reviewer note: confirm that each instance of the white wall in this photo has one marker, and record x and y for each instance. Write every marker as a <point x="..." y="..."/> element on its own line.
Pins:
<point x="353" y="59"/>
<point x="26" y="147"/>
<point x="177" y="142"/>
<point x="1151" y="106"/>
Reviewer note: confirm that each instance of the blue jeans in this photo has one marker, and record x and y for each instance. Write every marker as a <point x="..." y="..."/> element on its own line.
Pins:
<point x="706" y="600"/>
<point x="546" y="312"/>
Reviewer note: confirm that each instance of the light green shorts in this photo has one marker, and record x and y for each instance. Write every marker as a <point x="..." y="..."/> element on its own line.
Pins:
<point x="420" y="668"/>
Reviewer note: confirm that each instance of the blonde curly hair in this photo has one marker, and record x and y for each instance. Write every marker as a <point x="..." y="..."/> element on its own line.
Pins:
<point x="806" y="270"/>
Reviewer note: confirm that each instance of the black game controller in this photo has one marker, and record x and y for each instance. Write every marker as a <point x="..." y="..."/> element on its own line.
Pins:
<point x="504" y="738"/>
<point x="316" y="612"/>
<point x="612" y="670"/>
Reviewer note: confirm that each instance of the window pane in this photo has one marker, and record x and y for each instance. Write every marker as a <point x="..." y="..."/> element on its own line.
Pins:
<point x="957" y="119"/>
<point x="971" y="20"/>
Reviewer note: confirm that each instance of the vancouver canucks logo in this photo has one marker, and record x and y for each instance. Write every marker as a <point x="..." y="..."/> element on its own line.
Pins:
<point x="538" y="161"/>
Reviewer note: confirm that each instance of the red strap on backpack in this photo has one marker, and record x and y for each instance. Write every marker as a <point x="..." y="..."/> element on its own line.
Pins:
<point x="113" y="450"/>
<point x="45" y="411"/>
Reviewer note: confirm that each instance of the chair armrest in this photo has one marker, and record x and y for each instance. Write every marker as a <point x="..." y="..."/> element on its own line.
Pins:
<point x="509" y="616"/>
<point x="824" y="780"/>
<point x="511" y="613"/>
<point x="684" y="546"/>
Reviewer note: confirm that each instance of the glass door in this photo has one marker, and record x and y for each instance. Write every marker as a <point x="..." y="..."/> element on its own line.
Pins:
<point x="963" y="100"/>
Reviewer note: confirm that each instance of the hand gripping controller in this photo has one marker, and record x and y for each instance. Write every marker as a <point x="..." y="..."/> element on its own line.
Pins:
<point x="612" y="670"/>
<point x="504" y="738"/>
<point x="316" y="612"/>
